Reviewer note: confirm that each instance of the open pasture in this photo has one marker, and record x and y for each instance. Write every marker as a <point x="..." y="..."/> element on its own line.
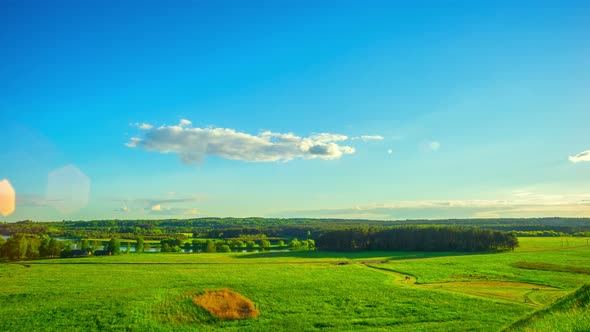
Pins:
<point x="292" y="291"/>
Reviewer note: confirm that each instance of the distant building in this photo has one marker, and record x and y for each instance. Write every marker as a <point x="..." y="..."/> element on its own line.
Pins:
<point x="80" y="253"/>
<point x="101" y="253"/>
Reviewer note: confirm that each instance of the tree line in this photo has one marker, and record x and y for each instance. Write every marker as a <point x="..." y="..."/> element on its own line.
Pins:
<point x="427" y="238"/>
<point x="272" y="227"/>
<point x="32" y="246"/>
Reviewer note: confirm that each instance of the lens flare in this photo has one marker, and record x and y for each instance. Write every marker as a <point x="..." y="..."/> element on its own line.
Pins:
<point x="68" y="189"/>
<point x="7" y="198"/>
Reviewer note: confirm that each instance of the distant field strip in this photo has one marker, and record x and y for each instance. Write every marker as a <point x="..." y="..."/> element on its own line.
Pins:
<point x="551" y="267"/>
<point x="516" y="292"/>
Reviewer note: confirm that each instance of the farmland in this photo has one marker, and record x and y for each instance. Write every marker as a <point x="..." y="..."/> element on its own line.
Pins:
<point x="294" y="290"/>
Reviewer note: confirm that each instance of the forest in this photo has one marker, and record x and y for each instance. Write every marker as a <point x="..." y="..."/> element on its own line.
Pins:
<point x="429" y="238"/>
<point x="277" y="227"/>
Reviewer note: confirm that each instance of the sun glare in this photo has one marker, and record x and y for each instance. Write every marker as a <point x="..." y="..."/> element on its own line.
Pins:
<point x="7" y="198"/>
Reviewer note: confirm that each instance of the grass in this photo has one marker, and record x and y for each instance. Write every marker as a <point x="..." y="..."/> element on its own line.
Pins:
<point x="225" y="304"/>
<point x="301" y="291"/>
<point x="568" y="314"/>
<point x="552" y="267"/>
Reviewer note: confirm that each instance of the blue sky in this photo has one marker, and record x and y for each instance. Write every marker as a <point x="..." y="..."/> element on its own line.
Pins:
<point x="360" y="109"/>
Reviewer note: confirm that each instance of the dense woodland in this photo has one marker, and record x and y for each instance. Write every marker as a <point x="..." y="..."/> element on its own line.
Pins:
<point x="412" y="238"/>
<point x="276" y="227"/>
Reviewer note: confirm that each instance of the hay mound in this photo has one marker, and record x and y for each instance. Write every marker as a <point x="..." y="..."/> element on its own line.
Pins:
<point x="225" y="304"/>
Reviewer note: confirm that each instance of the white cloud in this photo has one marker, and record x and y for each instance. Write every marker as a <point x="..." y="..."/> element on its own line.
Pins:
<point x="182" y="206"/>
<point x="193" y="144"/>
<point x="142" y="126"/>
<point x="542" y="206"/>
<point x="176" y="212"/>
<point x="133" y="142"/>
<point x="326" y="137"/>
<point x="185" y="123"/>
<point x="582" y="156"/>
<point x="368" y="138"/>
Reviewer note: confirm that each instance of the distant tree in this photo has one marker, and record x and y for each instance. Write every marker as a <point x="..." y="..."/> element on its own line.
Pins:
<point x="187" y="246"/>
<point x="15" y="247"/>
<point x="96" y="245"/>
<point x="55" y="248"/>
<point x="281" y="243"/>
<point x="165" y="247"/>
<point x="114" y="246"/>
<point x="198" y="245"/>
<point x="210" y="246"/>
<point x="147" y="247"/>
<point x="21" y="246"/>
<point x="224" y="248"/>
<point x="511" y="241"/>
<point x="2" y="241"/>
<point x="294" y="244"/>
<point x="304" y="245"/>
<point x="44" y="248"/>
<point x="33" y="245"/>
<point x="85" y="244"/>
<point x="265" y="244"/>
<point x="139" y="245"/>
<point x="128" y="247"/>
<point x="67" y="249"/>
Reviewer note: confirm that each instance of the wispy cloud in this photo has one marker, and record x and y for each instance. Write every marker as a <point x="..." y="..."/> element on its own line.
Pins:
<point x="34" y="200"/>
<point x="186" y="212"/>
<point x="161" y="206"/>
<point x="537" y="206"/>
<point x="193" y="144"/>
<point x="368" y="138"/>
<point x="142" y="126"/>
<point x="185" y="122"/>
<point x="582" y="156"/>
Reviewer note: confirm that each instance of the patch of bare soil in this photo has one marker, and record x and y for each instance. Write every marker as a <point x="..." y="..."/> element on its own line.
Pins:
<point x="226" y="304"/>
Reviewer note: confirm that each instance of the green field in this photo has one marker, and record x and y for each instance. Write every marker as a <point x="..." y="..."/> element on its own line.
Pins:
<point x="570" y="313"/>
<point x="296" y="290"/>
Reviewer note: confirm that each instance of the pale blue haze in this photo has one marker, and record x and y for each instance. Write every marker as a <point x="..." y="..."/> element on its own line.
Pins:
<point x="501" y="86"/>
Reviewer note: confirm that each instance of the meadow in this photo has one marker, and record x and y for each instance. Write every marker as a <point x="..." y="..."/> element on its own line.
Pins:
<point x="299" y="290"/>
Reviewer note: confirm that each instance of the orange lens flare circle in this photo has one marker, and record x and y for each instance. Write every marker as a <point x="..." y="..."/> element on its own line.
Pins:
<point x="7" y="198"/>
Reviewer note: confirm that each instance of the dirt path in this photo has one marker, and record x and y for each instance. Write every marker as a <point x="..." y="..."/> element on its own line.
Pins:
<point x="514" y="292"/>
<point x="399" y="278"/>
